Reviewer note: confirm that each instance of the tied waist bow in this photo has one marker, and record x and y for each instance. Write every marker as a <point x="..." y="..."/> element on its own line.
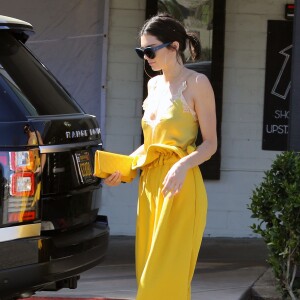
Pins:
<point x="159" y="154"/>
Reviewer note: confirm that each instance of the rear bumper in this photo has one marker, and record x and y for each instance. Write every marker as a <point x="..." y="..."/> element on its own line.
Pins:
<point x="66" y="258"/>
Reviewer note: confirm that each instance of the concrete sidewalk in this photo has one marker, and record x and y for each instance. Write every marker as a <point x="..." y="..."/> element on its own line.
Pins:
<point x="226" y="269"/>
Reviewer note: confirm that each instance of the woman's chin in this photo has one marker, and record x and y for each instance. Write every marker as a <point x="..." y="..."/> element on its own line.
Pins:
<point x="155" y="69"/>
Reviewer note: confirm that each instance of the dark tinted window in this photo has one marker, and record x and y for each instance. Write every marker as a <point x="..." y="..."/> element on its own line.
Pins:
<point x="11" y="110"/>
<point x="28" y="85"/>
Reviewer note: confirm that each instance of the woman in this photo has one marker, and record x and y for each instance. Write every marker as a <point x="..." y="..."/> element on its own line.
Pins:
<point x="172" y="202"/>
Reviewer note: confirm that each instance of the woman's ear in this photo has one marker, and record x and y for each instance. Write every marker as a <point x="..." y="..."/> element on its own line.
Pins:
<point x="175" y="45"/>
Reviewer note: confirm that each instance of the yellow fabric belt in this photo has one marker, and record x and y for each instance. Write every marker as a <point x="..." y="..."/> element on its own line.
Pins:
<point x="159" y="154"/>
<point x="163" y="159"/>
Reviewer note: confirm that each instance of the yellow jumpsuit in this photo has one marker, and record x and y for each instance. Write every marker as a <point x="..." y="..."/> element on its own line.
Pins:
<point x="169" y="229"/>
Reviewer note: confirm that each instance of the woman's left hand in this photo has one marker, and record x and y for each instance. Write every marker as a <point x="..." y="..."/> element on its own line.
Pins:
<point x="174" y="179"/>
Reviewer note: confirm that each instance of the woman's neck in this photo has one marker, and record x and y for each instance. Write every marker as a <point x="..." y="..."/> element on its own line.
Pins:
<point x="172" y="74"/>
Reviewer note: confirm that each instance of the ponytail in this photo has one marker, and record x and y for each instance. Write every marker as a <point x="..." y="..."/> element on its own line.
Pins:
<point x="194" y="46"/>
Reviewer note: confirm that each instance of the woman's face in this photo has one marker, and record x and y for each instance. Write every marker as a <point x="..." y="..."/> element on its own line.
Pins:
<point x="162" y="56"/>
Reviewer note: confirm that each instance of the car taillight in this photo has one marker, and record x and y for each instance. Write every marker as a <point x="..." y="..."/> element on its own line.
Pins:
<point x="22" y="161"/>
<point x="24" y="187"/>
<point x="22" y="184"/>
<point x="21" y="216"/>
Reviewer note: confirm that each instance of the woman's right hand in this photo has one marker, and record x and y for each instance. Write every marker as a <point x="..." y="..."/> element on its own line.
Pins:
<point x="114" y="179"/>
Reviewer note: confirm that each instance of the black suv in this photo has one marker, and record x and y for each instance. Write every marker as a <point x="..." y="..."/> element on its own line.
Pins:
<point x="50" y="230"/>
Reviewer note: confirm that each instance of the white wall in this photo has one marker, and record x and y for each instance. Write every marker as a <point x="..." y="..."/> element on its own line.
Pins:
<point x="124" y="101"/>
<point x="243" y="161"/>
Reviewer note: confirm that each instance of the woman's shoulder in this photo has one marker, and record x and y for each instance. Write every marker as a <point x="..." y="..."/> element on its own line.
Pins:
<point x="198" y="83"/>
<point x="194" y="78"/>
<point x="199" y="86"/>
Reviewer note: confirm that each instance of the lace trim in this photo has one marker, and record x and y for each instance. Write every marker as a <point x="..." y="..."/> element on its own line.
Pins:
<point x="186" y="107"/>
<point x="179" y="96"/>
<point x="145" y="103"/>
<point x="151" y="101"/>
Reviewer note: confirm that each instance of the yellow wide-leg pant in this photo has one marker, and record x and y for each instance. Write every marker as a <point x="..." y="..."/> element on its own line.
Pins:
<point x="169" y="234"/>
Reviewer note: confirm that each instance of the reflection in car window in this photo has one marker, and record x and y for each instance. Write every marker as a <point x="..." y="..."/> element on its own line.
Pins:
<point x="15" y="91"/>
<point x="11" y="110"/>
<point x="25" y="80"/>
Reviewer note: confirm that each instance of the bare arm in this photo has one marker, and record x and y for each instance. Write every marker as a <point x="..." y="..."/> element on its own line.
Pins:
<point x="204" y="101"/>
<point x="43" y="155"/>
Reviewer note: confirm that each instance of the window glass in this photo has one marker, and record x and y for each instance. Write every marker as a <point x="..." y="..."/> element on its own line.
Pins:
<point x="12" y="109"/>
<point x="197" y="17"/>
<point x="27" y="86"/>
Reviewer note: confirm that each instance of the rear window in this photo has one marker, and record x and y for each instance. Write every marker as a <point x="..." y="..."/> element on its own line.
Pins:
<point x="26" y="87"/>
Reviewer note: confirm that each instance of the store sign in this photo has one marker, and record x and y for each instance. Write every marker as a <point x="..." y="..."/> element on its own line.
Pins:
<point x="277" y="85"/>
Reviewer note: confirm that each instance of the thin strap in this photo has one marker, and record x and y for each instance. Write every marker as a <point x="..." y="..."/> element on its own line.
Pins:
<point x="186" y="107"/>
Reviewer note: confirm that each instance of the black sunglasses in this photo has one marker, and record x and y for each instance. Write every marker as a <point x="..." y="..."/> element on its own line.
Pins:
<point x="150" y="51"/>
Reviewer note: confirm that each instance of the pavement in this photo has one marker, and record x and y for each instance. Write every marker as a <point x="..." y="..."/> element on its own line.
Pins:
<point x="227" y="268"/>
<point x="265" y="287"/>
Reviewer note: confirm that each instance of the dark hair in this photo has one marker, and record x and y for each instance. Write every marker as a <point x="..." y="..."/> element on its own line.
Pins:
<point x="26" y="128"/>
<point x="167" y="29"/>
